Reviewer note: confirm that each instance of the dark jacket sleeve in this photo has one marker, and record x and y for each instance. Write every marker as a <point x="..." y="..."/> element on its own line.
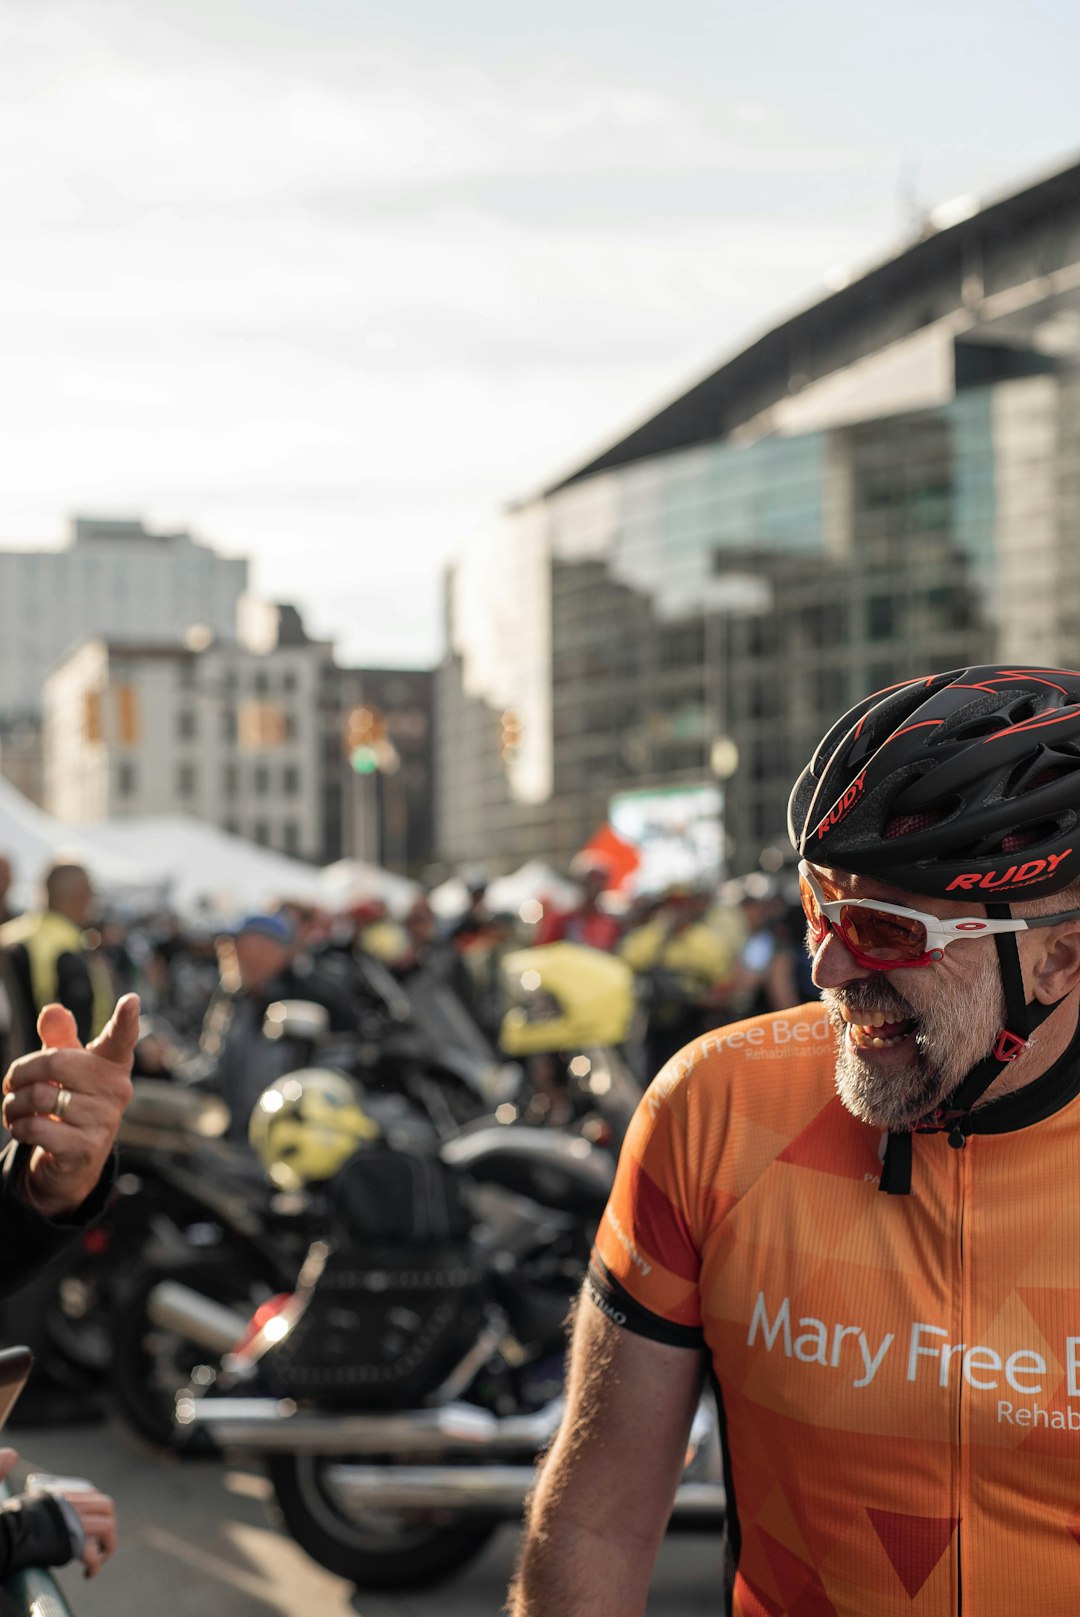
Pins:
<point x="28" y="1239"/>
<point x="33" y="1532"/>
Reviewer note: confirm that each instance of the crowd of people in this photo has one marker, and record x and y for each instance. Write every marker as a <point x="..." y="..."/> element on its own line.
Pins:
<point x="700" y="956"/>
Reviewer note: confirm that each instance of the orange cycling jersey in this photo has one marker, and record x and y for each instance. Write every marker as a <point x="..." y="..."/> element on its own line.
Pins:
<point x="899" y="1375"/>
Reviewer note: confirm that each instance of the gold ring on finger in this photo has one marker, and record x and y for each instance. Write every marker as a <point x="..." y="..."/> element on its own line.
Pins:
<point x="63" y="1101"/>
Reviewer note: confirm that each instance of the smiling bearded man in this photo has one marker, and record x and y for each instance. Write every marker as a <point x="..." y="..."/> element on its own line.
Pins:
<point x="898" y="1373"/>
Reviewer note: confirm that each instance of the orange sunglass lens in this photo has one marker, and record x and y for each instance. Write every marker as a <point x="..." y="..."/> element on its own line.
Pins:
<point x="873" y="934"/>
<point x="880" y="936"/>
<point x="817" y="922"/>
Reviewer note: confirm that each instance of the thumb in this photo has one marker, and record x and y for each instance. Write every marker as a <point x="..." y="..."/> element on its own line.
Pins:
<point x="8" y="1460"/>
<point x="117" y="1040"/>
<point x="56" y="1029"/>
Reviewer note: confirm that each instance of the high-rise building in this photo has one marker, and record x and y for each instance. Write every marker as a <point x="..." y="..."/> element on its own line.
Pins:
<point x="885" y="484"/>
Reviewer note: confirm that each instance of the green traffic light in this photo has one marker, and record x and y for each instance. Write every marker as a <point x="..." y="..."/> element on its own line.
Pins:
<point x="364" y="760"/>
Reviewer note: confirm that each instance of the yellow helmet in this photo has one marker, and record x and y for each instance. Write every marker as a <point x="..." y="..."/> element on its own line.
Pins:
<point x="306" y="1125"/>
<point x="565" y="995"/>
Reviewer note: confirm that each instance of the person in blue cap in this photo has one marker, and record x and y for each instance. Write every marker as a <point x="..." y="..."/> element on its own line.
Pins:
<point x="257" y="964"/>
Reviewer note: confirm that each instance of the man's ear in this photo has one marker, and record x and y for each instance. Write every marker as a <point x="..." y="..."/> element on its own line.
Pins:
<point x="1055" y="967"/>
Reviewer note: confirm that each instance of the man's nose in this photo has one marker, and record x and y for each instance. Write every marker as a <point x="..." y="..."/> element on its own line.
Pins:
<point x="834" y="964"/>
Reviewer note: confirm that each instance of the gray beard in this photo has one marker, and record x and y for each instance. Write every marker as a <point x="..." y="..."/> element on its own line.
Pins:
<point x="954" y="1032"/>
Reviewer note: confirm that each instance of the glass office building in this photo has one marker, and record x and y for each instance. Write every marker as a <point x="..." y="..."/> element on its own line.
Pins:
<point x="886" y="485"/>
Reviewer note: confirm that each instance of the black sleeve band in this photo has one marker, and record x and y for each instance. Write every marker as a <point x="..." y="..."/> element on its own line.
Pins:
<point x="618" y="1305"/>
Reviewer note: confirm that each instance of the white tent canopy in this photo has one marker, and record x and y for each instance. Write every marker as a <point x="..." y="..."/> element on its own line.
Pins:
<point x="534" y="880"/>
<point x="449" y="899"/>
<point x="210" y="874"/>
<point x="351" y="881"/>
<point x="32" y="840"/>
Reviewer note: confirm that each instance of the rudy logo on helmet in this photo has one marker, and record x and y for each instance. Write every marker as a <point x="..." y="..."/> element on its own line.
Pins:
<point x="843" y="805"/>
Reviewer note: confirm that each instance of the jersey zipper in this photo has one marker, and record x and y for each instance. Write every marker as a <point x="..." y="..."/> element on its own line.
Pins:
<point x="962" y="1314"/>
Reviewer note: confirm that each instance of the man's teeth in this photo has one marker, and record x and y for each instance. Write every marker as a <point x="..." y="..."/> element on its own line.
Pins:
<point x="865" y="1030"/>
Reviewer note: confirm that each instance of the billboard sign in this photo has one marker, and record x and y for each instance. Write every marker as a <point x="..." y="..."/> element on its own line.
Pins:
<point x="678" y="831"/>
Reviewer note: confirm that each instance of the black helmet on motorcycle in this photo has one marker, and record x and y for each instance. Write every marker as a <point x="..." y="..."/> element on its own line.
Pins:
<point x="961" y="783"/>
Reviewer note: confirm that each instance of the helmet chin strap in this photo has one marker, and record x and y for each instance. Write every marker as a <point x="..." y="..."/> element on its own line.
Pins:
<point x="1022" y="1017"/>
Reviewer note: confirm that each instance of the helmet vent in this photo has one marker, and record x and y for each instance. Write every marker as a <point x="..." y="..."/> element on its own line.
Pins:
<point x="1030" y="836"/>
<point x="990" y="724"/>
<point x="1020" y="781"/>
<point x="905" y="825"/>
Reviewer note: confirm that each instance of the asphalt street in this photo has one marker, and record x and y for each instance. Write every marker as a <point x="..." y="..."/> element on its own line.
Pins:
<point x="197" y="1539"/>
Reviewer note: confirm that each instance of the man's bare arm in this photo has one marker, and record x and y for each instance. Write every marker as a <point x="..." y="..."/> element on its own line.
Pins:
<point x="604" y="1493"/>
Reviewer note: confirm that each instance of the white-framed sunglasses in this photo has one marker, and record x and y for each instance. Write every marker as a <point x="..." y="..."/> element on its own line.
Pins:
<point x="882" y="937"/>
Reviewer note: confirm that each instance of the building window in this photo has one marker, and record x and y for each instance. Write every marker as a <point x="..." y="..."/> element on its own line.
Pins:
<point x="832" y="692"/>
<point x="126" y="780"/>
<point x="261" y="780"/>
<point x="762" y="635"/>
<point x="290" y="780"/>
<point x="288" y="680"/>
<point x="262" y="683"/>
<point x="228" y="723"/>
<point x="833" y="627"/>
<point x="762" y="761"/>
<point x="290" y="833"/>
<point x="230" y="780"/>
<point x="881" y="617"/>
<point x="127" y="715"/>
<point x="260" y="832"/>
<point x="261" y="724"/>
<point x="186" y="725"/>
<point x="186" y="780"/>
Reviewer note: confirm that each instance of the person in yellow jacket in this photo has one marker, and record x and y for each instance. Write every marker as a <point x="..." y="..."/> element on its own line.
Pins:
<point x="686" y="968"/>
<point x="49" y="958"/>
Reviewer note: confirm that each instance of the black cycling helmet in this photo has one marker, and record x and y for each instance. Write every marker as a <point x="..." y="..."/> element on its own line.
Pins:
<point x="962" y="783"/>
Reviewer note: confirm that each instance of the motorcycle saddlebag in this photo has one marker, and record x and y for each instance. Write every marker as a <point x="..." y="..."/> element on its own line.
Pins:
<point x="385" y="1326"/>
<point x="400" y="1299"/>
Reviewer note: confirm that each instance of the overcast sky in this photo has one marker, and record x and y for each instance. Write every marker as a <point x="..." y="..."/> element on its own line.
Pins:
<point x="329" y="282"/>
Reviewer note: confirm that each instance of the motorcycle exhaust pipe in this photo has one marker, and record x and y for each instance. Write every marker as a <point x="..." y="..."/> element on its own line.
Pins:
<point x="275" y="1425"/>
<point x="177" y="1308"/>
<point x="490" y="1490"/>
<point x="494" y="1490"/>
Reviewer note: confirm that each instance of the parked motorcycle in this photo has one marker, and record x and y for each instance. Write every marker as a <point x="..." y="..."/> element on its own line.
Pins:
<point x="401" y="1393"/>
<point x="196" y="1211"/>
<point x="571" y="1019"/>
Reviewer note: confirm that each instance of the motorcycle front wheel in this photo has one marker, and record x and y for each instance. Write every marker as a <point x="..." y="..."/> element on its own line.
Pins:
<point x="374" y="1549"/>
